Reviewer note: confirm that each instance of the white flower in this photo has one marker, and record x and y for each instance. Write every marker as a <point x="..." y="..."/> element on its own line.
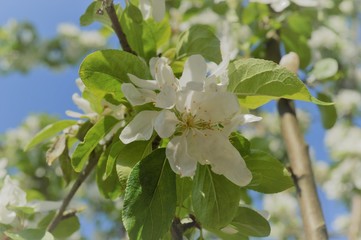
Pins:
<point x="155" y="8"/>
<point x="194" y="77"/>
<point x="202" y="125"/>
<point x="198" y="115"/>
<point x="10" y="195"/>
<point x="280" y="5"/>
<point x="68" y="29"/>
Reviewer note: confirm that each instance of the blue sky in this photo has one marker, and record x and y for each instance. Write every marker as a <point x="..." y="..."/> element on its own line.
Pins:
<point x="46" y="91"/>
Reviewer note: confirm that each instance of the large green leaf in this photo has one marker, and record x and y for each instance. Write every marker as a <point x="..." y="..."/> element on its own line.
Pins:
<point x="215" y="199"/>
<point x="269" y="175"/>
<point x="91" y="140"/>
<point x="258" y="81"/>
<point x="150" y="198"/>
<point x="328" y="113"/>
<point x="250" y="223"/>
<point x="48" y="132"/>
<point x="104" y="71"/>
<point x="199" y="39"/>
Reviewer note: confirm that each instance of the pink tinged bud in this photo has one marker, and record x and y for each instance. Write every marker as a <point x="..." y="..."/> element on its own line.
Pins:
<point x="291" y="61"/>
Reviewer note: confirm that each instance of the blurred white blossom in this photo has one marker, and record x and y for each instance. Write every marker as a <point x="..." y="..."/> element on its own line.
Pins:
<point x="10" y="196"/>
<point x="282" y="208"/>
<point x="343" y="140"/>
<point x="348" y="101"/>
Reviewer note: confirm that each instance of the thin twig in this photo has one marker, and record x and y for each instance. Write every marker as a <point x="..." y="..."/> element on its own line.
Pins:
<point x="297" y="150"/>
<point x="81" y="178"/>
<point x="118" y="28"/>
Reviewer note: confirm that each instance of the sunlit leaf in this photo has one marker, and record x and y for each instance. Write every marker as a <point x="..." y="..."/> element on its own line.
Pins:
<point x="258" y="81"/>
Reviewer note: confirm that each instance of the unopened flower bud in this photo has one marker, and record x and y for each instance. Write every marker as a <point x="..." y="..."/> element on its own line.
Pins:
<point x="291" y="61"/>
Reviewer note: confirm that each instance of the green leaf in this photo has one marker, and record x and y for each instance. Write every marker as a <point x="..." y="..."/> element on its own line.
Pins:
<point x="324" y="69"/>
<point x="109" y="187"/>
<point x="115" y="150"/>
<point x="269" y="175"/>
<point x="258" y="81"/>
<point x="250" y="223"/>
<point x="104" y="71"/>
<point x="155" y="35"/>
<point x="215" y="199"/>
<point x="300" y="23"/>
<point x="28" y="234"/>
<point x="130" y="155"/>
<point x="150" y="198"/>
<point x="240" y="143"/>
<point x="199" y="39"/>
<point x="144" y="37"/>
<point x="297" y="43"/>
<point x="131" y="21"/>
<point x="66" y="167"/>
<point x="66" y="227"/>
<point x="48" y="132"/>
<point x="328" y="113"/>
<point x="91" y="15"/>
<point x="228" y="236"/>
<point x="91" y="140"/>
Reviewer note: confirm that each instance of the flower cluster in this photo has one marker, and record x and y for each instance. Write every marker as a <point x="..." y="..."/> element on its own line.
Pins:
<point x="195" y="112"/>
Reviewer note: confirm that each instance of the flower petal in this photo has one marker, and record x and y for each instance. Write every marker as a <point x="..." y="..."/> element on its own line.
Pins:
<point x="146" y="84"/>
<point x="163" y="73"/>
<point x="166" y="98"/>
<point x="224" y="158"/>
<point x="194" y="73"/>
<point x="236" y="121"/>
<point x="137" y="96"/>
<point x="165" y="124"/>
<point x="158" y="9"/>
<point x="212" y="107"/>
<point x="140" y="128"/>
<point x="82" y="103"/>
<point x="179" y="160"/>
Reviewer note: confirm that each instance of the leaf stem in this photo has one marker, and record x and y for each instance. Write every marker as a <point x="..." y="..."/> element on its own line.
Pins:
<point x="81" y="178"/>
<point x="109" y="8"/>
<point x="297" y="150"/>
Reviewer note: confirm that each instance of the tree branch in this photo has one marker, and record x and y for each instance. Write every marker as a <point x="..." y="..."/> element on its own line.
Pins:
<point x="109" y="8"/>
<point x="81" y="178"/>
<point x="355" y="221"/>
<point x="297" y="150"/>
